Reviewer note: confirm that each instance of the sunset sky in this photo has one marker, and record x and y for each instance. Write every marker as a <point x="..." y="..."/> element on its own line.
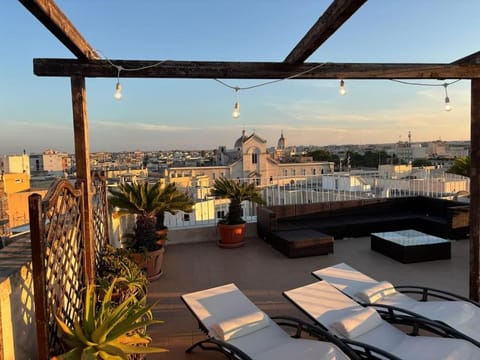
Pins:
<point x="162" y="114"/>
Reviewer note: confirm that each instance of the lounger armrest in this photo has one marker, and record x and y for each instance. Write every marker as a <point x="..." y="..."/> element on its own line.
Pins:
<point x="317" y="331"/>
<point x="425" y="292"/>
<point x="396" y="315"/>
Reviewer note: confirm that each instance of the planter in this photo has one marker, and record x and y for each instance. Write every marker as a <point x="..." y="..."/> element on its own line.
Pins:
<point x="231" y="236"/>
<point x="152" y="262"/>
<point x="161" y="236"/>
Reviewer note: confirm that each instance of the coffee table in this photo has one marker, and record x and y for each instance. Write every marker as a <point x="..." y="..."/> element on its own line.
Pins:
<point x="408" y="246"/>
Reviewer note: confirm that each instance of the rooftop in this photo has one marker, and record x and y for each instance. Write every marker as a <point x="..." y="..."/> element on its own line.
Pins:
<point x="262" y="273"/>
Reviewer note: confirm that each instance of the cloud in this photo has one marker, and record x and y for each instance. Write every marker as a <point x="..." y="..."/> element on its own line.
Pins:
<point x="136" y="126"/>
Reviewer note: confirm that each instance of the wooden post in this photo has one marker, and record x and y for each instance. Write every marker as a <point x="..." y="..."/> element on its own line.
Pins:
<point x="475" y="191"/>
<point x="37" y="238"/>
<point x="82" y="158"/>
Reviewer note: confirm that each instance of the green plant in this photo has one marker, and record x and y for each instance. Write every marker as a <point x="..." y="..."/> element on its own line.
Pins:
<point x="108" y="330"/>
<point x="116" y="265"/>
<point x="148" y="202"/>
<point x="237" y="192"/>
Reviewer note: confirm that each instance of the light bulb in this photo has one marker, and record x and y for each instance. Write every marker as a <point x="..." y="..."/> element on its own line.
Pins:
<point x="448" y="107"/>
<point x="236" y="110"/>
<point x="118" y="91"/>
<point x="342" y="89"/>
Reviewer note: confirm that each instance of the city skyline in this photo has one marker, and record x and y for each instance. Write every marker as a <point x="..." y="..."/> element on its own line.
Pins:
<point x="163" y="114"/>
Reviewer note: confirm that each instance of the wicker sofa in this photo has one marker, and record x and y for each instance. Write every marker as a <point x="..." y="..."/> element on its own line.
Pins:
<point x="354" y="218"/>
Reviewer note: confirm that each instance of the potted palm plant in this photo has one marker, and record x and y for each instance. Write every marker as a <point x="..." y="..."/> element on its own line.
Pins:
<point x="147" y="201"/>
<point x="232" y="227"/>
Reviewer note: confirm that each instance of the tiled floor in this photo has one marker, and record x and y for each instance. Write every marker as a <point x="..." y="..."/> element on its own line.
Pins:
<point x="262" y="274"/>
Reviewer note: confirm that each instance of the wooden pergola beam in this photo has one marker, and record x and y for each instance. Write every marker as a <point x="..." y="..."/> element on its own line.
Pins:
<point x="50" y="15"/>
<point x="336" y="14"/>
<point x="470" y="59"/>
<point x="251" y="70"/>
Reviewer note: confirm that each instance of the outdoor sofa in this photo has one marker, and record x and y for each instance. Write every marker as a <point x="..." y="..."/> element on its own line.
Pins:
<point x="356" y="218"/>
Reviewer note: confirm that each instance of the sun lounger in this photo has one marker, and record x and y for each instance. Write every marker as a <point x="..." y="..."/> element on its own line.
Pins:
<point x="237" y="328"/>
<point x="343" y="316"/>
<point x="455" y="311"/>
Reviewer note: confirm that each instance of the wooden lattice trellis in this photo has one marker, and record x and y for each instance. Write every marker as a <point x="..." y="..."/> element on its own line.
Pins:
<point x="58" y="255"/>
<point x="100" y="213"/>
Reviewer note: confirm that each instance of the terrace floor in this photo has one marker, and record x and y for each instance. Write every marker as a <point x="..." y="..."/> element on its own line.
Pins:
<point x="262" y="273"/>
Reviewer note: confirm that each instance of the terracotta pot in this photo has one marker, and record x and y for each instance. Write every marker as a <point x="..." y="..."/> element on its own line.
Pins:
<point x="161" y="236"/>
<point x="231" y="236"/>
<point x="152" y="262"/>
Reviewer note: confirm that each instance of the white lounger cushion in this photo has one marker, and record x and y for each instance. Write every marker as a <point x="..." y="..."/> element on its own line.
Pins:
<point x="376" y="292"/>
<point x="240" y="326"/>
<point x="358" y="323"/>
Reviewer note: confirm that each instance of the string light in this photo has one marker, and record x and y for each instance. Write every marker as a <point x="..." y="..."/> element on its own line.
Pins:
<point x="118" y="86"/>
<point x="342" y="89"/>
<point x="448" y="107"/>
<point x="236" y="107"/>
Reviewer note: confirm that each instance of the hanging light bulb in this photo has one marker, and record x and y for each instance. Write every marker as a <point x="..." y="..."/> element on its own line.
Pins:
<point x="342" y="89"/>
<point x="448" y="107"/>
<point x="236" y="110"/>
<point x="236" y="107"/>
<point x="118" y="91"/>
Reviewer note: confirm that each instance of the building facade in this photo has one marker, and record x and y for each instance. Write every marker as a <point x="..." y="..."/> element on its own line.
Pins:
<point x="249" y="159"/>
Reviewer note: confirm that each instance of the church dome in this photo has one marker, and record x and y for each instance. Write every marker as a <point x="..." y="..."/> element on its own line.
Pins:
<point x="239" y="142"/>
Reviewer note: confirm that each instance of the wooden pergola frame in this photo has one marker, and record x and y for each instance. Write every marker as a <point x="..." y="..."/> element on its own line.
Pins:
<point x="88" y="64"/>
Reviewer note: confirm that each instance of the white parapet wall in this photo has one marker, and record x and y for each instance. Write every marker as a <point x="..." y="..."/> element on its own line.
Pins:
<point x="17" y="315"/>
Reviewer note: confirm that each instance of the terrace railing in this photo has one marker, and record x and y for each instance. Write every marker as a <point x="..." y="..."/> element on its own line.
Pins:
<point x="314" y="189"/>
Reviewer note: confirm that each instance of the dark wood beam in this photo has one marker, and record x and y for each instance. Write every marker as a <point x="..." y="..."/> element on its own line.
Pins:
<point x="251" y="70"/>
<point x="475" y="191"/>
<point x="337" y="13"/>
<point x="50" y="15"/>
<point x="82" y="162"/>
<point x="470" y="59"/>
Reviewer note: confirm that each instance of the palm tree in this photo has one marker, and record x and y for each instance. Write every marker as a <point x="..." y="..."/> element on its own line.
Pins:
<point x="148" y="201"/>
<point x="461" y="166"/>
<point x="237" y="192"/>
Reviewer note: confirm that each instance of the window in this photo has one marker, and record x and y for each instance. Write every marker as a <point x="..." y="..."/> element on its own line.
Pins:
<point x="314" y="171"/>
<point x="304" y="172"/>
<point x="293" y="172"/>
<point x="254" y="158"/>
<point x="186" y="217"/>
<point x="285" y="172"/>
<point x="220" y="214"/>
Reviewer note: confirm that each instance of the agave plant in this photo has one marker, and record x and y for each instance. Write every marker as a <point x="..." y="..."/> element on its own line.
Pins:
<point x="237" y="192"/>
<point x="108" y="330"/>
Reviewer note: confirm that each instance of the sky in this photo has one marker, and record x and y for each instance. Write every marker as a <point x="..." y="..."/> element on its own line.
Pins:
<point x="164" y="114"/>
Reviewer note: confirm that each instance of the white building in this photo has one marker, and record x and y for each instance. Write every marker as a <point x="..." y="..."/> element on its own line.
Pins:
<point x="15" y="164"/>
<point x="249" y="159"/>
